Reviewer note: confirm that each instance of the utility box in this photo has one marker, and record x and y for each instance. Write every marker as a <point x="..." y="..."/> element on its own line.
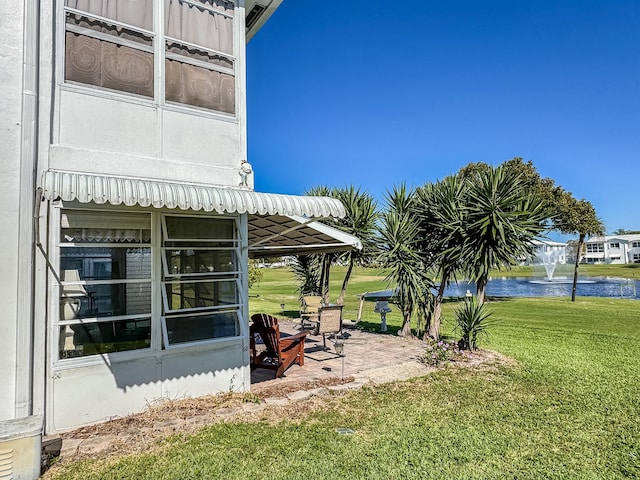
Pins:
<point x="20" y="448"/>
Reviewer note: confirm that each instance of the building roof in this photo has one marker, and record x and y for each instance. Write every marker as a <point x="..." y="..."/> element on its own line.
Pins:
<point x="621" y="238"/>
<point x="550" y="243"/>
<point x="257" y="12"/>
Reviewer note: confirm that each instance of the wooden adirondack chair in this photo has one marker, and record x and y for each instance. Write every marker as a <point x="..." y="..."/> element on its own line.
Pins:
<point x="280" y="352"/>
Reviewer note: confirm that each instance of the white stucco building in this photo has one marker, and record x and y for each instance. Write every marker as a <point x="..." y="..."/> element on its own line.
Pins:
<point x="619" y="249"/>
<point x="548" y="251"/>
<point x="128" y="212"/>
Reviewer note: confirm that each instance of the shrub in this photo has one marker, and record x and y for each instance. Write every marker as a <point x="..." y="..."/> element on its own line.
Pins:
<point x="440" y="352"/>
<point x="472" y="319"/>
<point x="255" y="274"/>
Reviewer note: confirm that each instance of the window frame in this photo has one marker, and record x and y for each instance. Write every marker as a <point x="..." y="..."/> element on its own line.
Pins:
<point x="235" y="276"/>
<point x="168" y="273"/>
<point x="158" y="50"/>
<point x="167" y="345"/>
<point x="595" y="248"/>
<point x="165" y="299"/>
<point x="59" y="322"/>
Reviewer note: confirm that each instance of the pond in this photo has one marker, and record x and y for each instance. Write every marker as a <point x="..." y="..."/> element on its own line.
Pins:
<point x="557" y="287"/>
<point x="540" y="287"/>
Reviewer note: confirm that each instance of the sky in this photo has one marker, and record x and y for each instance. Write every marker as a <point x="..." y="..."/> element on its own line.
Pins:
<point x="372" y="94"/>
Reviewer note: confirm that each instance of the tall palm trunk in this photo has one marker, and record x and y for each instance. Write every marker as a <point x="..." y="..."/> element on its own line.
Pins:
<point x="575" y="270"/>
<point x="436" y="315"/>
<point x="481" y="288"/>
<point x="345" y="282"/>
<point x="405" y="331"/>
<point x="324" y="277"/>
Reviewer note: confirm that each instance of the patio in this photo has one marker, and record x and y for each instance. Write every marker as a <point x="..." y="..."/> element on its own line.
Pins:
<point x="368" y="357"/>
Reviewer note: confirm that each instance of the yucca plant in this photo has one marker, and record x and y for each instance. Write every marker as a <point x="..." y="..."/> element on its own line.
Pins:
<point x="472" y="319"/>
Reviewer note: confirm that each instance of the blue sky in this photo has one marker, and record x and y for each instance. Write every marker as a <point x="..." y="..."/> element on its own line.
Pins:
<point x="375" y="93"/>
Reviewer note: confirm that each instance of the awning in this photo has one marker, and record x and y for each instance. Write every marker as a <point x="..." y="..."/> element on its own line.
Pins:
<point x="101" y="189"/>
<point x="278" y="224"/>
<point x="276" y="235"/>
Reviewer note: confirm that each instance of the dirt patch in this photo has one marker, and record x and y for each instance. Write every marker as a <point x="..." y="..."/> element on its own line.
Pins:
<point x="142" y="432"/>
<point x="286" y="388"/>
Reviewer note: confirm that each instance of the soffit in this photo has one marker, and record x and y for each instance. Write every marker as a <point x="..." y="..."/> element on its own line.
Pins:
<point x="257" y="12"/>
<point x="277" y="235"/>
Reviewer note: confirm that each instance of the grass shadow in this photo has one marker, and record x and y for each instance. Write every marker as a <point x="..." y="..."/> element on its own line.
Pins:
<point x="375" y="327"/>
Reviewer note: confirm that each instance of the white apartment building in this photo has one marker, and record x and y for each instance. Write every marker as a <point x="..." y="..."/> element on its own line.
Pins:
<point x="546" y="252"/>
<point x="128" y="206"/>
<point x="612" y="249"/>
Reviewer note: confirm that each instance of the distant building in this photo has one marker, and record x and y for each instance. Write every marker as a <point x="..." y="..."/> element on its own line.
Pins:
<point x="548" y="251"/>
<point x="614" y="249"/>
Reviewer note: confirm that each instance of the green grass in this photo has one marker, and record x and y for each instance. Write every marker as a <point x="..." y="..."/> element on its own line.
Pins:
<point x="279" y="286"/>
<point x="568" y="409"/>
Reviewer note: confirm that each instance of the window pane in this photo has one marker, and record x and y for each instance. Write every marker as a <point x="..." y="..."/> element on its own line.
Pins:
<point x="187" y="82"/>
<point x="105" y="263"/>
<point x="199" y="25"/>
<point x="105" y="64"/>
<point x="187" y="261"/>
<point x="88" y="301"/>
<point x="105" y="337"/>
<point x="134" y="12"/>
<point x="199" y="228"/>
<point x="200" y="87"/>
<point x="193" y="328"/>
<point x="186" y="295"/>
<point x="82" y="226"/>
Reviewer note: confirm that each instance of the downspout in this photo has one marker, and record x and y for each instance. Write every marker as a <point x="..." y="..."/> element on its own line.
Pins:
<point x="28" y="182"/>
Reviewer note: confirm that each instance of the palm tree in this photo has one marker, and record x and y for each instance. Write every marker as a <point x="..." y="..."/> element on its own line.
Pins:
<point x="399" y="237"/>
<point x="360" y="222"/>
<point x="322" y="261"/>
<point x="306" y="269"/>
<point x="502" y="219"/>
<point x="440" y="208"/>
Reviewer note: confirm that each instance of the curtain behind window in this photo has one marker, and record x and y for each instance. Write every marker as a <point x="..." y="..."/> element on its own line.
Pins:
<point x="116" y="63"/>
<point x="194" y="84"/>
<point x="121" y="58"/>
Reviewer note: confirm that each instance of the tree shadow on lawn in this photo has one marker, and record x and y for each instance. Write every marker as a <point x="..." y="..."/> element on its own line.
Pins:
<point x="632" y="266"/>
<point x="374" y="327"/>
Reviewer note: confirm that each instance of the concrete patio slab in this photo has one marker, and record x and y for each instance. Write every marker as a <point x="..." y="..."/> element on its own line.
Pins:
<point x="367" y="356"/>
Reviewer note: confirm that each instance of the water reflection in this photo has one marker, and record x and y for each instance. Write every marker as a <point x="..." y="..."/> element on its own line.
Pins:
<point x="527" y="287"/>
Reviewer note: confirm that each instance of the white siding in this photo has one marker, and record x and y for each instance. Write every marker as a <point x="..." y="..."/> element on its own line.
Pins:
<point x="10" y="138"/>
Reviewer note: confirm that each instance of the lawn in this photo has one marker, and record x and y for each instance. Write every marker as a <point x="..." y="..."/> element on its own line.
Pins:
<point x="568" y="408"/>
